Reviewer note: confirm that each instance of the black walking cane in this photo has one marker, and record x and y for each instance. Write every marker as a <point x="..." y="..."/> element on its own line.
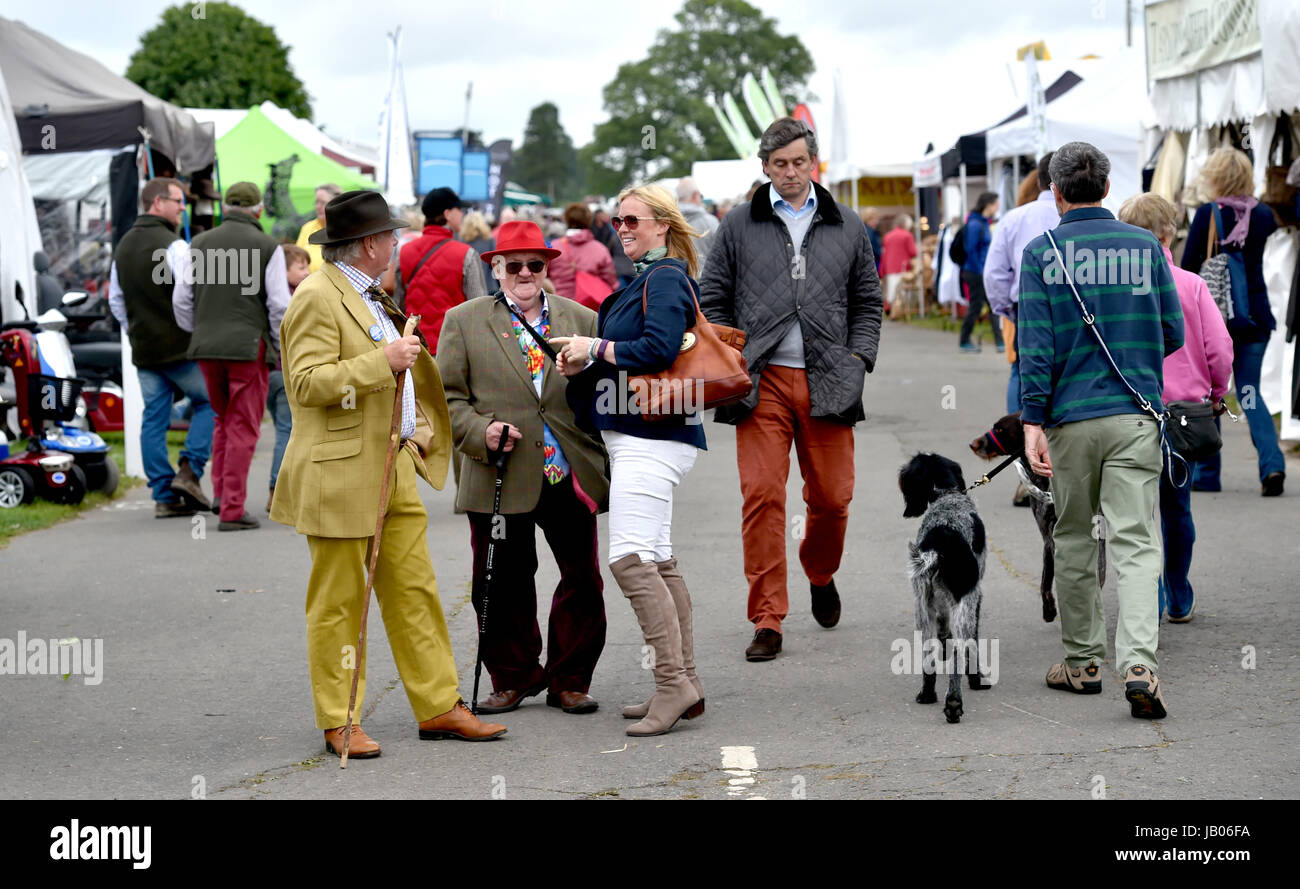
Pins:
<point x="499" y="461"/>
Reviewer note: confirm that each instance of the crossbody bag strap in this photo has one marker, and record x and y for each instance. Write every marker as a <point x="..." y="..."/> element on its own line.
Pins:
<point x="1146" y="407"/>
<point x="419" y="265"/>
<point x="537" y="337"/>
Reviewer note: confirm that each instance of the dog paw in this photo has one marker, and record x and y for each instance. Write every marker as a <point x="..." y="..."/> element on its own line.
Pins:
<point x="1049" y="611"/>
<point x="952" y="708"/>
<point x="926" y="696"/>
<point x="977" y="682"/>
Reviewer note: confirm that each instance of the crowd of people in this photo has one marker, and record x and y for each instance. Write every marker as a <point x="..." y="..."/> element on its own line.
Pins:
<point x="521" y="376"/>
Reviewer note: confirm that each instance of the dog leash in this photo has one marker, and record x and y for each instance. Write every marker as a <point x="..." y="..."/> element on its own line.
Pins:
<point x="984" y="480"/>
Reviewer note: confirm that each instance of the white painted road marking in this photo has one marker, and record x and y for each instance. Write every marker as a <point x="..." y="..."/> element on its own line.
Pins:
<point x="742" y="765"/>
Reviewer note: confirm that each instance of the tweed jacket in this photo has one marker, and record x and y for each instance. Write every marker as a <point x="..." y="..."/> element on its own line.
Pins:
<point x="341" y="393"/>
<point x="487" y="379"/>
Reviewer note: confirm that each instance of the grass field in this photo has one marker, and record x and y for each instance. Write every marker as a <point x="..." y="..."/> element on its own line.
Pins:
<point x="42" y="513"/>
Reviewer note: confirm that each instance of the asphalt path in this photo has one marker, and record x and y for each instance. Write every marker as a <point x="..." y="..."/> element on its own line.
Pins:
<point x="205" y="691"/>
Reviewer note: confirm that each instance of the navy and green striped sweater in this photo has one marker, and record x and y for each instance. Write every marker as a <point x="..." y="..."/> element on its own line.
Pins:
<point x="1122" y="275"/>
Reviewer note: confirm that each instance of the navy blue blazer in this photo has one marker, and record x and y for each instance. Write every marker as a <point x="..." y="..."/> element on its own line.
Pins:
<point x="644" y="343"/>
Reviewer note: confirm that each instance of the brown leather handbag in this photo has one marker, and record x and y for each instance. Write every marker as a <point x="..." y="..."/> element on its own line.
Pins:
<point x="710" y="370"/>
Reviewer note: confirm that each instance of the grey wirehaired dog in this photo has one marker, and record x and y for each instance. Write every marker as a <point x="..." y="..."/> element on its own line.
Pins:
<point x="946" y="565"/>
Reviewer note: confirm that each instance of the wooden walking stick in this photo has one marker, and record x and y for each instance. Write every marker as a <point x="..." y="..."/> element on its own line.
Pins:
<point x="394" y="436"/>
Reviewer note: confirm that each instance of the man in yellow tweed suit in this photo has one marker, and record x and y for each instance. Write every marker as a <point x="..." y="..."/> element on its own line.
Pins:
<point x="342" y="346"/>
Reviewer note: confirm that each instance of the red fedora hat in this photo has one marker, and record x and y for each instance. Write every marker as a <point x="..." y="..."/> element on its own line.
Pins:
<point x="520" y="236"/>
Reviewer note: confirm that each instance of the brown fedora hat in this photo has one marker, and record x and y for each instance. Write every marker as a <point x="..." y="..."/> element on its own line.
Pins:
<point x="353" y="215"/>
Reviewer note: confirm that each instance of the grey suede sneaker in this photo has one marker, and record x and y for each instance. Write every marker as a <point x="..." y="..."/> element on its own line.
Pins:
<point x="1080" y="680"/>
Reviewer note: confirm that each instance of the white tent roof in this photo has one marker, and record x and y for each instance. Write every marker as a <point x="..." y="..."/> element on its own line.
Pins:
<point x="1106" y="110"/>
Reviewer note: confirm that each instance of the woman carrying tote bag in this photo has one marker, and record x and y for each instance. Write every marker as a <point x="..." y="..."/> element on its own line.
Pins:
<point x="648" y="458"/>
<point x="1200" y="369"/>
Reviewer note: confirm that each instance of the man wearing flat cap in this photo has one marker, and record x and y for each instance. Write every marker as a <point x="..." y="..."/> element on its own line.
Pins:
<point x="232" y="300"/>
<point x="342" y="349"/>
<point x="436" y="271"/>
<point x="497" y="375"/>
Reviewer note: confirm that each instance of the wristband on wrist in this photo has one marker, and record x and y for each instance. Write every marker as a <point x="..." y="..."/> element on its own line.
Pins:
<point x="600" y="353"/>
<point x="591" y="349"/>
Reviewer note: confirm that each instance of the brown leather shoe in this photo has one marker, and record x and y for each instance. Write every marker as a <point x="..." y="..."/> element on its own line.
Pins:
<point x="765" y="647"/>
<point x="572" y="701"/>
<point x="362" y="747"/>
<point x="460" y="724"/>
<point x="186" y="484"/>
<point x="509" y="699"/>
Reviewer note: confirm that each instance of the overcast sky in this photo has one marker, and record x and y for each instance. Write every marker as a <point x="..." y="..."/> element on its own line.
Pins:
<point x="914" y="72"/>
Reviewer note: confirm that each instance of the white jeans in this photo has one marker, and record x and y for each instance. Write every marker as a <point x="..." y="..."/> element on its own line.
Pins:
<point x="643" y="473"/>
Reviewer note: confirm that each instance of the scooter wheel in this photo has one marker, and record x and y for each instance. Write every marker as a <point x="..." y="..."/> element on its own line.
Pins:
<point x="103" y="476"/>
<point x="16" y="487"/>
<point x="75" y="490"/>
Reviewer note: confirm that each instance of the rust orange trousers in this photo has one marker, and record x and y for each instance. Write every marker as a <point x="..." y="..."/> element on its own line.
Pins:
<point x="825" y="451"/>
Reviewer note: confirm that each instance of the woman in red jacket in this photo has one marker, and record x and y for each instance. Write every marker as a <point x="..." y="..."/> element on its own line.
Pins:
<point x="582" y="253"/>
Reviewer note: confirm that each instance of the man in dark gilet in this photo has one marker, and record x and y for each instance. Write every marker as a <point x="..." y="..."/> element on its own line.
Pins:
<point x="148" y="260"/>
<point x="238" y="295"/>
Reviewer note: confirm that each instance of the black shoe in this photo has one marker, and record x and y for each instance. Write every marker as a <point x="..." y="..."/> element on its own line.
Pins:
<point x="163" y="509"/>
<point x="765" y="647"/>
<point x="244" y="523"/>
<point x="186" y="484"/>
<point x="1272" y="486"/>
<point x="825" y="604"/>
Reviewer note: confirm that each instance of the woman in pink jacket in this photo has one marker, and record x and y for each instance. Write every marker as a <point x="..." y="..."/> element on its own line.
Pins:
<point x="1200" y="370"/>
<point x="581" y="252"/>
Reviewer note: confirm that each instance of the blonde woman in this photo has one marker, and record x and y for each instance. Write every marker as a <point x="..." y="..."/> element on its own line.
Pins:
<point x="475" y="231"/>
<point x="1228" y="181"/>
<point x="648" y="459"/>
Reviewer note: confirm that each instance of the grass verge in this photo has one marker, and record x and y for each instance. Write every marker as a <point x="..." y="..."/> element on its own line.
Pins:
<point x="42" y="513"/>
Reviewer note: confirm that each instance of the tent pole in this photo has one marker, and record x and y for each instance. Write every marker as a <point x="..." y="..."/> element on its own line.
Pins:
<point x="216" y="170"/>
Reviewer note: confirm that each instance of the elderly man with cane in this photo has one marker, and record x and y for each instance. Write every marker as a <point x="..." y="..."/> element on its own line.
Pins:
<point x="504" y="394"/>
<point x="342" y="351"/>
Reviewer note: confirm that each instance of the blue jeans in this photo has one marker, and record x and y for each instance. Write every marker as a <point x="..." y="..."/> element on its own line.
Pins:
<point x="277" y="403"/>
<point x="157" y="385"/>
<point x="1013" y="385"/>
<point x="1179" y="535"/>
<point x="1247" y="359"/>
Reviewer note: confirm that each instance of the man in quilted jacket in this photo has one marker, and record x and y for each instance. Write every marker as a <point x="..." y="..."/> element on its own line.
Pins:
<point x="795" y="271"/>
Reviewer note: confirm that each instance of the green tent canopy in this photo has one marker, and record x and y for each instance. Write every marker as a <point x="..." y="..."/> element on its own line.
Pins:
<point x="246" y="153"/>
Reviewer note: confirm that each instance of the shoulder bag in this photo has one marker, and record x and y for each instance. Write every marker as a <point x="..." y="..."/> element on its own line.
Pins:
<point x="710" y="370"/>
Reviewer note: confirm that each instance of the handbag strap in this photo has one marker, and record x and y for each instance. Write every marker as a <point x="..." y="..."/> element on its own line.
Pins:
<point x="1216" y="225"/>
<point x="645" y="291"/>
<point x="1143" y="403"/>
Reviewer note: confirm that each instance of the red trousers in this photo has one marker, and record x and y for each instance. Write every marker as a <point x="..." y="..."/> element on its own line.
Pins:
<point x="825" y="452"/>
<point x="237" y="390"/>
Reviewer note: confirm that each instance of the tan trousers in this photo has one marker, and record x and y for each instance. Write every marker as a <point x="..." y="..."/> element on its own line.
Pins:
<point x="407" y="594"/>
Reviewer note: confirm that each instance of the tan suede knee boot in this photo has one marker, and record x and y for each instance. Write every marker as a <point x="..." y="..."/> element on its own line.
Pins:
<point x="682" y="601"/>
<point x="657" y="614"/>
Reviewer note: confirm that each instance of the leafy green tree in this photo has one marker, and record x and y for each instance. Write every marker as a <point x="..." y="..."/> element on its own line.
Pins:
<point x="659" y="120"/>
<point x="546" y="161"/>
<point x="214" y="55"/>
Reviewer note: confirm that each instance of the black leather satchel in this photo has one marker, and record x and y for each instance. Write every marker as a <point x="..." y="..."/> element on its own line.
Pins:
<point x="1191" y="430"/>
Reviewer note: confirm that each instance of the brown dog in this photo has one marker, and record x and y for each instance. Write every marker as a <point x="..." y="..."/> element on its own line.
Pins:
<point x="1007" y="437"/>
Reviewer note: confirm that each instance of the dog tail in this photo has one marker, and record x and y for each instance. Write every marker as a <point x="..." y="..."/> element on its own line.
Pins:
<point x="952" y="559"/>
<point x="921" y="562"/>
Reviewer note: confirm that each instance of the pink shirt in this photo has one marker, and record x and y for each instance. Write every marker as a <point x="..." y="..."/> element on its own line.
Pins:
<point x="897" y="251"/>
<point x="1204" y="363"/>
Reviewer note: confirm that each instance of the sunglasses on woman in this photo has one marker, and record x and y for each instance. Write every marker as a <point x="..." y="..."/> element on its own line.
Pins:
<point x="631" y="221"/>
<point x="534" y="265"/>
